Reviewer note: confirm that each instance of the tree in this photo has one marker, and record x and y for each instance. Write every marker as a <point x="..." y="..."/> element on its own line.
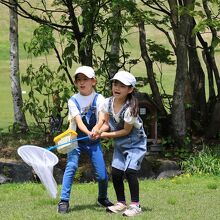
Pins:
<point x="181" y="28"/>
<point x="19" y="117"/>
<point x="150" y="72"/>
<point x="176" y="16"/>
<point x="84" y="25"/>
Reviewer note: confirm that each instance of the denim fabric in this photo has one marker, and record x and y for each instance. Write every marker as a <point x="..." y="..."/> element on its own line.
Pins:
<point x="94" y="150"/>
<point x="129" y="150"/>
<point x="97" y="160"/>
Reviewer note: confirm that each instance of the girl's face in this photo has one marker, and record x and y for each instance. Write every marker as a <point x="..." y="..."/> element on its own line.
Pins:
<point x="84" y="84"/>
<point x="120" y="90"/>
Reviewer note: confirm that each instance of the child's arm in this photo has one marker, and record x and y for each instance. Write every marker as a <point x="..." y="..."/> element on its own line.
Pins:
<point x="82" y="126"/>
<point x="101" y="126"/>
<point x="120" y="133"/>
<point x="105" y="127"/>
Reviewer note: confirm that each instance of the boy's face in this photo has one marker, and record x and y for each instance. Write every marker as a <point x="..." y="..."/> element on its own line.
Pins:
<point x="84" y="84"/>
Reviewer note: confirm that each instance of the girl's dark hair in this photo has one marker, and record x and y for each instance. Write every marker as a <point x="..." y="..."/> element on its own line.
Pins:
<point x="133" y="103"/>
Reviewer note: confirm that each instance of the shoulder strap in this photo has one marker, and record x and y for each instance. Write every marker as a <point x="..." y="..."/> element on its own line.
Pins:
<point x="94" y="100"/>
<point x="109" y="106"/>
<point x="91" y="109"/>
<point x="76" y="103"/>
<point x="123" y="110"/>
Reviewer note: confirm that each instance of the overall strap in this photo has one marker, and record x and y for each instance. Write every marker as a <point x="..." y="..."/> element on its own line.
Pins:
<point x="123" y="110"/>
<point x="109" y="106"/>
<point x="94" y="100"/>
<point x="76" y="103"/>
<point x="116" y="125"/>
<point x="91" y="109"/>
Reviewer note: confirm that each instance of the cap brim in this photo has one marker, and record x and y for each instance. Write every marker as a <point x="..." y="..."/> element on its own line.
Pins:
<point x="127" y="84"/>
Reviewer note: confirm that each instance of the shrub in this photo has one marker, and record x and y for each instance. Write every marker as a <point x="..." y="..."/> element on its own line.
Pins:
<point x="203" y="162"/>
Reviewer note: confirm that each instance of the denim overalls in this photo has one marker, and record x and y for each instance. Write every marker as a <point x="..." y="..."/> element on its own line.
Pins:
<point x="93" y="149"/>
<point x="129" y="150"/>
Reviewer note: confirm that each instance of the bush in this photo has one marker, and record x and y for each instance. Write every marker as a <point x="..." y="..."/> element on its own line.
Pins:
<point x="203" y="162"/>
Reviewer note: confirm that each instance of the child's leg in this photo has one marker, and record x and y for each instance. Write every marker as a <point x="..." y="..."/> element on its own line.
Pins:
<point x="134" y="208"/>
<point x="117" y="179"/>
<point x="133" y="183"/>
<point x="71" y="167"/>
<point x="98" y="163"/>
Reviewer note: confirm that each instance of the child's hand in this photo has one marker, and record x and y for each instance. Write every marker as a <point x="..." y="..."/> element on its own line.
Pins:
<point x="96" y="134"/>
<point x="91" y="135"/>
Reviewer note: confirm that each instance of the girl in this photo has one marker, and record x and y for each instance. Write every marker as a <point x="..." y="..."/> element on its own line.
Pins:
<point x="84" y="111"/>
<point x="130" y="141"/>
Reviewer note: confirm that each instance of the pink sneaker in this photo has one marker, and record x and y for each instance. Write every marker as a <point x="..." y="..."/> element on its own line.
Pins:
<point x="132" y="210"/>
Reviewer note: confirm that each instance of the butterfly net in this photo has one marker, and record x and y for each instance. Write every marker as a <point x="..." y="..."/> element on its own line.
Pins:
<point x="43" y="162"/>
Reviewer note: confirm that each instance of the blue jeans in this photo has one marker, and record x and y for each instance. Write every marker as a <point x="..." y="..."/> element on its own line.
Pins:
<point x="96" y="156"/>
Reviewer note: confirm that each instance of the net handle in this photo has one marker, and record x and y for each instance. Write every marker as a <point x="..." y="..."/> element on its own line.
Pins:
<point x="71" y="141"/>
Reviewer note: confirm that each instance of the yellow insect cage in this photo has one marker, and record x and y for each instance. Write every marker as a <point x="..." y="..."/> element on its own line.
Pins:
<point x="64" y="140"/>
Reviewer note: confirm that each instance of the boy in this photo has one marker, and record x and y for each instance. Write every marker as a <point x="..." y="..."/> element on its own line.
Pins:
<point x="84" y="109"/>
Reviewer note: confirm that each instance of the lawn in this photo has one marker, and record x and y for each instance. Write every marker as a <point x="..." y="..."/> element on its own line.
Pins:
<point x="184" y="198"/>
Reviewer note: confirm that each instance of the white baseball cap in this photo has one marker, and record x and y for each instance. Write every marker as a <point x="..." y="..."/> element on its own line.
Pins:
<point x="125" y="77"/>
<point x="86" y="70"/>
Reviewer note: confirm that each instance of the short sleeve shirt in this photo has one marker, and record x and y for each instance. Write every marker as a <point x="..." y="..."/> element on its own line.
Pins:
<point x="128" y="118"/>
<point x="84" y="102"/>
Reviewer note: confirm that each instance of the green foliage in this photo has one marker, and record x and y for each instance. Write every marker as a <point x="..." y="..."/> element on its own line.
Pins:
<point x="177" y="153"/>
<point x="159" y="53"/>
<point x="174" y="151"/>
<point x="42" y="41"/>
<point x="203" y="162"/>
<point x="207" y="22"/>
<point x="68" y="55"/>
<point x="107" y="143"/>
<point x="48" y="95"/>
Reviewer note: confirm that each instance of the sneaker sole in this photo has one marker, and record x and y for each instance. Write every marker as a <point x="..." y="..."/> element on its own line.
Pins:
<point x="131" y="215"/>
<point x="62" y="212"/>
<point x="110" y="211"/>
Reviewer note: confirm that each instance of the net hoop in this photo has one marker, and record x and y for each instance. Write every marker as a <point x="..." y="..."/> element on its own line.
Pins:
<point x="43" y="162"/>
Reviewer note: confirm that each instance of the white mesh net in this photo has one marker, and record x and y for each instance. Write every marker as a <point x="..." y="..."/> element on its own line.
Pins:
<point x="43" y="162"/>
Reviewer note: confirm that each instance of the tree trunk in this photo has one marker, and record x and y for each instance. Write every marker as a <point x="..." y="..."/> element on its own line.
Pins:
<point x="178" y="108"/>
<point x="181" y="27"/>
<point x="213" y="130"/>
<point x="197" y="81"/>
<point x="115" y="39"/>
<point x="149" y="67"/>
<point x="19" y="117"/>
<point x="212" y="49"/>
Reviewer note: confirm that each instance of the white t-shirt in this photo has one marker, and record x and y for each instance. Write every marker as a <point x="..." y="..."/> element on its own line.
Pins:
<point x="84" y="102"/>
<point x="128" y="118"/>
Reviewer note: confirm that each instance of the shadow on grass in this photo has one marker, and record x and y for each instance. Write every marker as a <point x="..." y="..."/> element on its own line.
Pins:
<point x="146" y="209"/>
<point x="94" y="207"/>
<point x="97" y="208"/>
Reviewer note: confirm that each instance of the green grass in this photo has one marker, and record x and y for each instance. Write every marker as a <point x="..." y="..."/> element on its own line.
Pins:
<point x="183" y="198"/>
